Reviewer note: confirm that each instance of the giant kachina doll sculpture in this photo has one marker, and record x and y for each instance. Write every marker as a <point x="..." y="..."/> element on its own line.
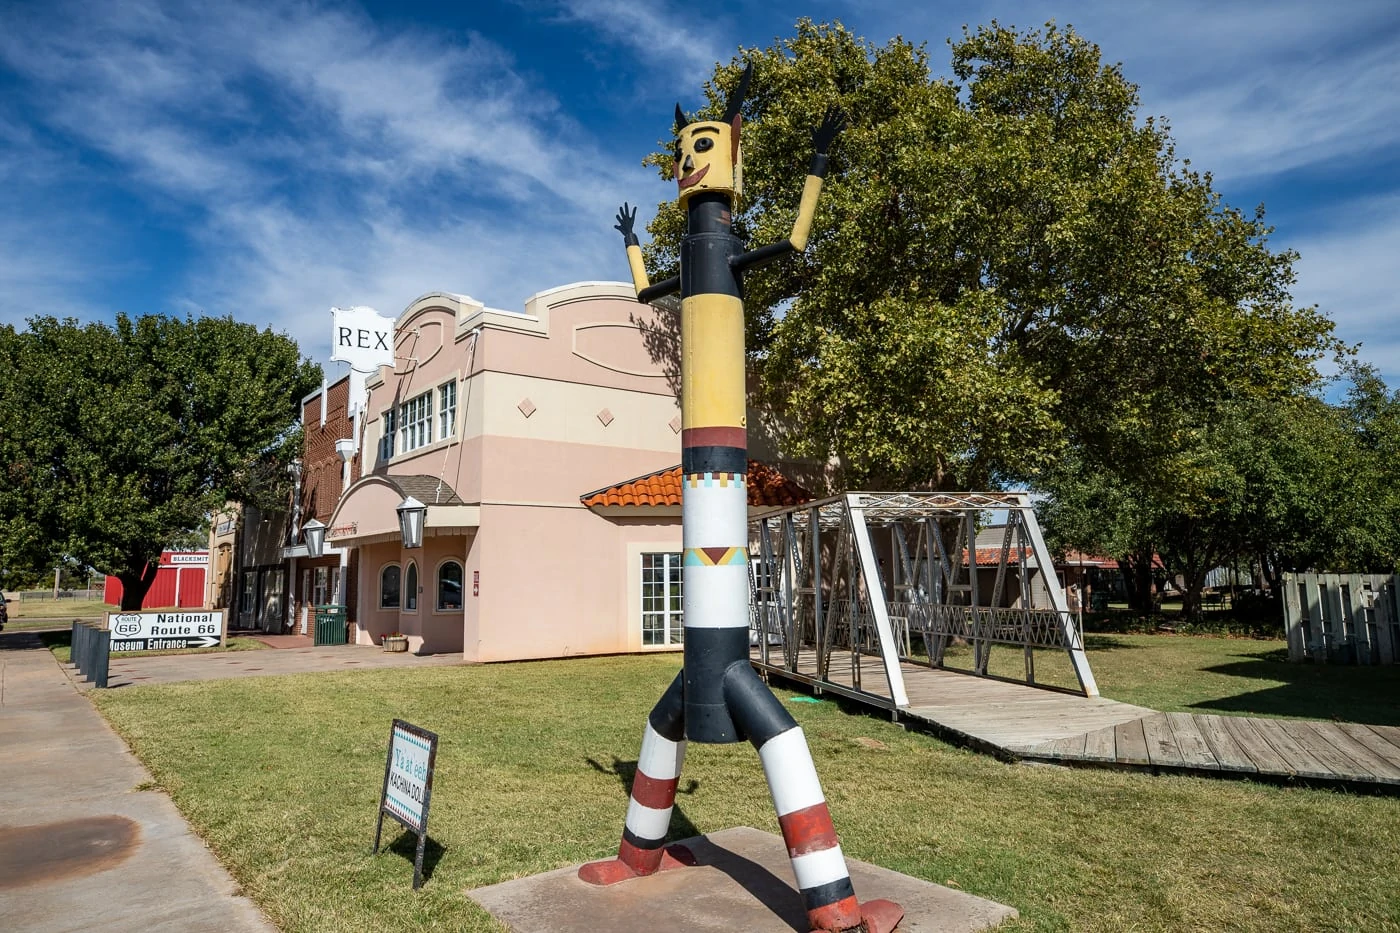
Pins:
<point x="717" y="697"/>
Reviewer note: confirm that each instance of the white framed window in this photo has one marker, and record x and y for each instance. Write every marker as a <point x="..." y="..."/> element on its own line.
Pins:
<point x="449" y="586"/>
<point x="662" y="622"/>
<point x="386" y="442"/>
<point x="447" y="409"/>
<point x="389" y="587"/>
<point x="416" y="418"/>
<point x="322" y="594"/>
<point x="410" y="589"/>
<point x="250" y="593"/>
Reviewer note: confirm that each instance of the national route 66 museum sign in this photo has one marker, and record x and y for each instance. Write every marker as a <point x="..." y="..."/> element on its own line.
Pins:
<point x="166" y="630"/>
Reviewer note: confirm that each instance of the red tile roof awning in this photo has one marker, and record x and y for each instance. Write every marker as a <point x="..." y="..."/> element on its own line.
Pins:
<point x="767" y="488"/>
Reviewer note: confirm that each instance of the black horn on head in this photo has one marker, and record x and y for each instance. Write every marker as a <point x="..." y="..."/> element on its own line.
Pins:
<point x="682" y="121"/>
<point x="736" y="97"/>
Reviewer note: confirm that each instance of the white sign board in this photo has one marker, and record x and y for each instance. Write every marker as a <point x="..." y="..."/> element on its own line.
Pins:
<point x="406" y="790"/>
<point x="188" y="558"/>
<point x="166" y="630"/>
<point x="362" y="337"/>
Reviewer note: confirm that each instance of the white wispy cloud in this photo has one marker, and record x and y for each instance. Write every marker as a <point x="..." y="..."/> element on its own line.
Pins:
<point x="324" y="159"/>
<point x="683" y="42"/>
<point x="1348" y="271"/>
<point x="1251" y="90"/>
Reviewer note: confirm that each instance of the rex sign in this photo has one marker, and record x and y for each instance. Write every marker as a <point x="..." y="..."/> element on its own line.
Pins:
<point x="362" y="338"/>
<point x="166" y="631"/>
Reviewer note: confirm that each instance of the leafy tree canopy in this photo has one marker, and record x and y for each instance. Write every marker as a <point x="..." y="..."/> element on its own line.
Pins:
<point x="1282" y="484"/>
<point x="1007" y="268"/>
<point x="118" y="441"/>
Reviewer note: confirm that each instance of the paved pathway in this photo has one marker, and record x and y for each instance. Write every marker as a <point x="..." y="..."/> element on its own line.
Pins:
<point x="167" y="669"/>
<point x="82" y="847"/>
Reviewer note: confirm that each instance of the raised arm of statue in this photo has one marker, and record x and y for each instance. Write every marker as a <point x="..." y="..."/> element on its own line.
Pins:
<point x="822" y="137"/>
<point x="646" y="292"/>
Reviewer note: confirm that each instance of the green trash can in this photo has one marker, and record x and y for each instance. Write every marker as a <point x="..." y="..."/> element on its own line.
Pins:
<point x="330" y="625"/>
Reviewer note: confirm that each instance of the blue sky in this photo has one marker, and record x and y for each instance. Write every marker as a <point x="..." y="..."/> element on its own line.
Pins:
<point x="271" y="160"/>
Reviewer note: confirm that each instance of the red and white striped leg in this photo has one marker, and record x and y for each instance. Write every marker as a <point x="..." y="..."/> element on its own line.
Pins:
<point x="643" y="850"/>
<point x="812" y="843"/>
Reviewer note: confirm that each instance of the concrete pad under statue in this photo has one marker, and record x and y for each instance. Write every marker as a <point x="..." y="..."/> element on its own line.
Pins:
<point x="742" y="880"/>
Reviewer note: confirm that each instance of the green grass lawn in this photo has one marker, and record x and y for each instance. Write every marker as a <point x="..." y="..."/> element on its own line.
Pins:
<point x="45" y="613"/>
<point x="281" y="777"/>
<point x="60" y="643"/>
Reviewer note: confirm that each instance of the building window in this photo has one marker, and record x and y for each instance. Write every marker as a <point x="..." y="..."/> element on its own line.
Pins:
<point x="249" y="599"/>
<point x="417" y="422"/>
<point x="661" y="600"/>
<point x="386" y="441"/>
<point x="323" y="595"/>
<point x="449" y="586"/>
<point x="410" y="596"/>
<point x="389" y="587"/>
<point x="447" y="409"/>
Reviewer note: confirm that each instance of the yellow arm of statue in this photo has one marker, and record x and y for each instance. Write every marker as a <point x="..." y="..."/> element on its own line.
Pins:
<point x="805" y="210"/>
<point x="639" y="269"/>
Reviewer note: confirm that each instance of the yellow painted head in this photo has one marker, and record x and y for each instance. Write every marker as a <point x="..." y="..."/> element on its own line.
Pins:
<point x="708" y="157"/>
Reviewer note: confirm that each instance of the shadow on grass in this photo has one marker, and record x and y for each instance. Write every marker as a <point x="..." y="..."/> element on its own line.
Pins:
<point x="626" y="773"/>
<point x="1347" y="693"/>
<point x="406" y="845"/>
<point x="53" y="640"/>
<point x="22" y="641"/>
<point x="1108" y="643"/>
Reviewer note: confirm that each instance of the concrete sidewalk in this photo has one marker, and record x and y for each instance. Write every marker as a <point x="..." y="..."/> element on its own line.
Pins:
<point x="174" y="668"/>
<point x="82" y="846"/>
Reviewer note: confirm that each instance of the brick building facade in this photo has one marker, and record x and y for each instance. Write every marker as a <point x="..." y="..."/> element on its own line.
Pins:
<point x="330" y="463"/>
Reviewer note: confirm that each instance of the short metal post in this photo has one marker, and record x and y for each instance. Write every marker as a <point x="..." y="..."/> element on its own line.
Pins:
<point x="90" y="652"/>
<point x="78" y="653"/>
<point x="73" y="644"/>
<point x="101" y="647"/>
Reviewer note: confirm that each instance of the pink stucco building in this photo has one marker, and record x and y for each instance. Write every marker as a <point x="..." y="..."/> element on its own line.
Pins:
<point x="499" y="423"/>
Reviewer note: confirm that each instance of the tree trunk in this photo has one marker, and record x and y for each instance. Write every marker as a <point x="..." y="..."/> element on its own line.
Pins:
<point x="135" y="585"/>
<point x="1128" y="571"/>
<point x="1195" y="580"/>
<point x="1137" y="576"/>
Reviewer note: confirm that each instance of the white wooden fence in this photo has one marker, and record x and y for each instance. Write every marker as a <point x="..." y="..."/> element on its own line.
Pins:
<point x="1341" y="618"/>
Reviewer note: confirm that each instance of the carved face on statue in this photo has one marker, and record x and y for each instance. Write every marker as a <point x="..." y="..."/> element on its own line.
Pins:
<point x="708" y="158"/>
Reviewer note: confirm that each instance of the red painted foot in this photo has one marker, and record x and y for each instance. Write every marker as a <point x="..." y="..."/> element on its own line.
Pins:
<point x="613" y="870"/>
<point x="881" y="916"/>
<point x="608" y="871"/>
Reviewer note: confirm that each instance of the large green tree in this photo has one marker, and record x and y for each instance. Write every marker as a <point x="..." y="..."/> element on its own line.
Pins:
<point x="1282" y="484"/>
<point x="118" y="441"/>
<point x="1007" y="266"/>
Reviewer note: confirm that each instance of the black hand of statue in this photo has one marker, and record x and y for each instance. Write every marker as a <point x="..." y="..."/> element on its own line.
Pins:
<point x="625" y="220"/>
<point x="832" y="123"/>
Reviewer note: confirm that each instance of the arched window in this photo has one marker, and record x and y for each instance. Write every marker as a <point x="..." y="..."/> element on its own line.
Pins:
<point x="389" y="587"/>
<point x="410" y="596"/>
<point x="449" y="586"/>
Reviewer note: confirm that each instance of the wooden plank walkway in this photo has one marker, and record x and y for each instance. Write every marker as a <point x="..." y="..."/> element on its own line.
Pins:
<point x="1016" y="721"/>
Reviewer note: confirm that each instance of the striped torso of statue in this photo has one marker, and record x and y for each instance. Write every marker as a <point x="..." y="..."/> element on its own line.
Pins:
<point x="717" y="697"/>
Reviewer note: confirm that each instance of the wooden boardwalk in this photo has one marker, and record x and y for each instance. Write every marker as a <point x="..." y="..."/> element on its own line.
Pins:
<point x="1019" y="722"/>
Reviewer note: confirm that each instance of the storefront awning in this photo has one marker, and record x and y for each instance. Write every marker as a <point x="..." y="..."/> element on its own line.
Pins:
<point x="368" y="511"/>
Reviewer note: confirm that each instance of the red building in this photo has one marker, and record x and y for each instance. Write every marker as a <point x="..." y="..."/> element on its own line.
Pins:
<point x="179" y="583"/>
